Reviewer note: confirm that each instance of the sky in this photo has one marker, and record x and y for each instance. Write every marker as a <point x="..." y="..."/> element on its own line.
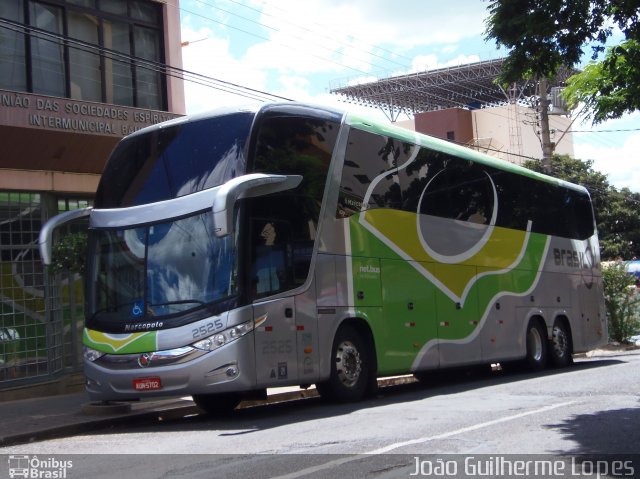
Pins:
<point x="300" y="50"/>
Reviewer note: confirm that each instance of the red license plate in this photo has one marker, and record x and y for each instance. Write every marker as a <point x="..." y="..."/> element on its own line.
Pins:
<point x="147" y="384"/>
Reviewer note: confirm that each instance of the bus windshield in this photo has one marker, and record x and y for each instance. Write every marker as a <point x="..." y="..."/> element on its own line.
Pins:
<point x="174" y="161"/>
<point x="159" y="270"/>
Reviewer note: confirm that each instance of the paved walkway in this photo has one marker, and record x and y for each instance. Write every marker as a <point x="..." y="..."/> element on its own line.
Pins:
<point x="29" y="420"/>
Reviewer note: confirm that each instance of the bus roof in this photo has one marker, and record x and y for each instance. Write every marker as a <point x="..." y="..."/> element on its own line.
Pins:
<point x="363" y="122"/>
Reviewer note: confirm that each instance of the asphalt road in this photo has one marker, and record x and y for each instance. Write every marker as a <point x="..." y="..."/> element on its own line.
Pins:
<point x="575" y="415"/>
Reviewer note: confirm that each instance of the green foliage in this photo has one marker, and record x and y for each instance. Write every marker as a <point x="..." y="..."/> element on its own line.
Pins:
<point x="542" y="35"/>
<point x="68" y="253"/>
<point x="616" y="211"/>
<point x="608" y="88"/>
<point x="621" y="302"/>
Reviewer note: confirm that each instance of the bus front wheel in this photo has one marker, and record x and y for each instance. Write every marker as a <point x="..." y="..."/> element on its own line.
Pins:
<point x="351" y="367"/>
<point x="217" y="404"/>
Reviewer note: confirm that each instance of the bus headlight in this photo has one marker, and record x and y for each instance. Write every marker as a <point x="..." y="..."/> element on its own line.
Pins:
<point x="225" y="337"/>
<point x="91" y="355"/>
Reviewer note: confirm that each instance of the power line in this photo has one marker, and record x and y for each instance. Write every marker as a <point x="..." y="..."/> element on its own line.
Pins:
<point x="442" y="88"/>
<point x="325" y="27"/>
<point x="614" y="191"/>
<point x="191" y="76"/>
<point x="151" y="65"/>
<point x="604" y="131"/>
<point x="261" y="37"/>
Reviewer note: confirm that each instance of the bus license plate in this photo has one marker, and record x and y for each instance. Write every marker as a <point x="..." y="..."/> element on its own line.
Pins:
<point x="147" y="384"/>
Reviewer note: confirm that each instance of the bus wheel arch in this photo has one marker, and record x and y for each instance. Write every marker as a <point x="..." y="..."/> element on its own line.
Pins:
<point x="217" y="404"/>
<point x="561" y="343"/>
<point x="353" y="364"/>
<point x="537" y="344"/>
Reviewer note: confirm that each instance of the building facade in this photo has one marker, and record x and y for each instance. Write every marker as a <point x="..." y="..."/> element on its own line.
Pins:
<point x="75" y="77"/>
<point x="508" y="132"/>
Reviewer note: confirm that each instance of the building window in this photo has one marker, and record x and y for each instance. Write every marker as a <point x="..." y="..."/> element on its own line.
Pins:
<point x="13" y="72"/>
<point x="84" y="66"/>
<point x="47" y="57"/>
<point x="451" y="135"/>
<point x="93" y="50"/>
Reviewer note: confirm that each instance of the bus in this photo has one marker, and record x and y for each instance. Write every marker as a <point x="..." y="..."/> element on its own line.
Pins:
<point x="291" y="244"/>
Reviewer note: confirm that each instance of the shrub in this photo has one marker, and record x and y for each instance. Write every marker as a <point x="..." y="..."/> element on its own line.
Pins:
<point x="621" y="302"/>
<point x="68" y="253"/>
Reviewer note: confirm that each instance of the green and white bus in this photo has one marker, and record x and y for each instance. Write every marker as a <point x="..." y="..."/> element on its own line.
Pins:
<point x="292" y="244"/>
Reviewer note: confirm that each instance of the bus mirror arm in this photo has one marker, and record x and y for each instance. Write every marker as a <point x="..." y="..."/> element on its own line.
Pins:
<point x="246" y="186"/>
<point x="45" y="239"/>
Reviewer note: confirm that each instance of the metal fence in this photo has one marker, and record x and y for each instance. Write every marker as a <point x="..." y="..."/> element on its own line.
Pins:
<point x="40" y="314"/>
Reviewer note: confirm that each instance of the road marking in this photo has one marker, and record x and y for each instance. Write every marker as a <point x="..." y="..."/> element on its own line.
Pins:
<point x="391" y="447"/>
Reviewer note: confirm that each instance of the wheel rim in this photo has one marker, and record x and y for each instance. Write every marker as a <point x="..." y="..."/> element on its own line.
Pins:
<point x="560" y="342"/>
<point x="348" y="363"/>
<point x="534" y="344"/>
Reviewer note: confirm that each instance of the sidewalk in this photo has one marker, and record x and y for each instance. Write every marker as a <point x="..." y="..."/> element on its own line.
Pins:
<point x="36" y="419"/>
<point x="46" y="417"/>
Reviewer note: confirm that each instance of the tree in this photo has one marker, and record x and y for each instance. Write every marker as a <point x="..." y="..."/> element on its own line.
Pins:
<point x="617" y="212"/>
<point x="543" y="35"/>
<point x="609" y="88"/>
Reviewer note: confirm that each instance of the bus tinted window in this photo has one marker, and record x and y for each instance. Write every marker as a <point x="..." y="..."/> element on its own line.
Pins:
<point x="462" y="192"/>
<point x="283" y="226"/>
<point x="175" y="161"/>
<point x="441" y="185"/>
<point x="371" y="158"/>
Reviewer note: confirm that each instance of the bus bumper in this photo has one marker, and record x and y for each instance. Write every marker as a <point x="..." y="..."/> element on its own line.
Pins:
<point x="230" y="368"/>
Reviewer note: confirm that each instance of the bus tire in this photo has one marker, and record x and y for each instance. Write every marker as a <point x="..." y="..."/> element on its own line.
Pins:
<point x="560" y="345"/>
<point x="217" y="404"/>
<point x="537" y="346"/>
<point x="351" y="368"/>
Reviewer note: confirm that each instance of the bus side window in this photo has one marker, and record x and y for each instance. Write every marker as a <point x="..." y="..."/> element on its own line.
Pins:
<point x="270" y="253"/>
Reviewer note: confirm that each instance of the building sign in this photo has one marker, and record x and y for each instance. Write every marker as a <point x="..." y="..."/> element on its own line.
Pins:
<point x="74" y="116"/>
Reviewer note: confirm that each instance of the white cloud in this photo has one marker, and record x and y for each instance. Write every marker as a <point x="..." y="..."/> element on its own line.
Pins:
<point x="619" y="161"/>
<point x="429" y="62"/>
<point x="211" y="58"/>
<point x="408" y="23"/>
<point x="319" y="41"/>
<point x="613" y="146"/>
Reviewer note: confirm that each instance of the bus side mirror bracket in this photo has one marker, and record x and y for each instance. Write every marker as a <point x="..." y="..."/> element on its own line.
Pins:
<point x="45" y="239"/>
<point x="246" y="186"/>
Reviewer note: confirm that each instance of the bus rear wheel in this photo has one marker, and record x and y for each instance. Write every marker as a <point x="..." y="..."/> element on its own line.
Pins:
<point x="351" y="368"/>
<point x="536" y="338"/>
<point x="217" y="404"/>
<point x="561" y="345"/>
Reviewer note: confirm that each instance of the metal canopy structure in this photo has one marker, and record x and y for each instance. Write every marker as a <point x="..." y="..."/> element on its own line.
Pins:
<point x="469" y="86"/>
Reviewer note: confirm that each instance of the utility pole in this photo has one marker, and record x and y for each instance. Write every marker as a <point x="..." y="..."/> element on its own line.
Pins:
<point x="545" y="137"/>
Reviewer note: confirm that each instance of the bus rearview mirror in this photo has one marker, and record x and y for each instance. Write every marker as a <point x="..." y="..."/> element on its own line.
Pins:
<point x="246" y="186"/>
<point x="45" y="239"/>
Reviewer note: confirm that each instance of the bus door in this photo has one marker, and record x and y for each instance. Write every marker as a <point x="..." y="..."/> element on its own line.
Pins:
<point x="275" y="336"/>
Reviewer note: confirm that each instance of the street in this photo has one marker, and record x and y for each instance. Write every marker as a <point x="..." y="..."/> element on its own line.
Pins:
<point x="589" y="409"/>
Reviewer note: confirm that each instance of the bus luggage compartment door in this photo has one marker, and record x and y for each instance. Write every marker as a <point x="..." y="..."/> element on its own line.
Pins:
<point x="275" y="342"/>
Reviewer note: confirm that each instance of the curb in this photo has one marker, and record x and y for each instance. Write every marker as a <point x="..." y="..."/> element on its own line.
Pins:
<point x="95" y="416"/>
